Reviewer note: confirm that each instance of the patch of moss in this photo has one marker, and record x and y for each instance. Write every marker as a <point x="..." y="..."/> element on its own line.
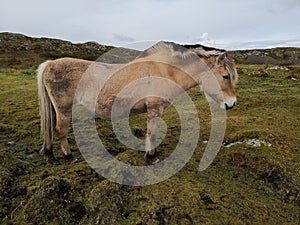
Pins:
<point x="11" y="170"/>
<point x="55" y="204"/>
<point x="109" y="204"/>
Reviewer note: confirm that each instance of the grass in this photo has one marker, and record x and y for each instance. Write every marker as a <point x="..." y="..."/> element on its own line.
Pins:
<point x="244" y="185"/>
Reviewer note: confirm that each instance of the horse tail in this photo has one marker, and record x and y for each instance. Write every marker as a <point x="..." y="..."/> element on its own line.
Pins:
<point x="47" y="112"/>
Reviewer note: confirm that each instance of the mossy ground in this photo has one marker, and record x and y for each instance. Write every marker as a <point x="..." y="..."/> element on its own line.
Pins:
<point x="244" y="185"/>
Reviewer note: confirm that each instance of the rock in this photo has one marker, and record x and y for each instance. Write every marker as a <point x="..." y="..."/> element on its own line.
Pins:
<point x="276" y="67"/>
<point x="266" y="143"/>
<point x="292" y="78"/>
<point x="252" y="142"/>
<point x="233" y="144"/>
<point x="11" y="142"/>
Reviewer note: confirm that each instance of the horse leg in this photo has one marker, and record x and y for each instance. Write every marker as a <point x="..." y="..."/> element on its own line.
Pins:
<point x="47" y="151"/>
<point x="62" y="125"/>
<point x="153" y="116"/>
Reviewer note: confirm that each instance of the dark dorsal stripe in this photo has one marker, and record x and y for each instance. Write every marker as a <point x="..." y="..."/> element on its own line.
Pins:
<point x="205" y="48"/>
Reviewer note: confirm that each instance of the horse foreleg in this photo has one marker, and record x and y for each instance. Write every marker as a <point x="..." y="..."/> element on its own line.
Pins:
<point x="153" y="117"/>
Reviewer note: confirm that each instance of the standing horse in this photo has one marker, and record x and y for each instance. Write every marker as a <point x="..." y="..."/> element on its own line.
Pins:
<point x="59" y="79"/>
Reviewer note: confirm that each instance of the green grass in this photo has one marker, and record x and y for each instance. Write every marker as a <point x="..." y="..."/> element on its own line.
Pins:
<point x="244" y="185"/>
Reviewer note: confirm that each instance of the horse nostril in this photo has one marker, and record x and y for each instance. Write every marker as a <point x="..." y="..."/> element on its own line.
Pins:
<point x="229" y="107"/>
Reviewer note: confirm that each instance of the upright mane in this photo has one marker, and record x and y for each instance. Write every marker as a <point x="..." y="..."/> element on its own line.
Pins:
<point x="181" y="51"/>
<point x="169" y="48"/>
<point x="204" y="51"/>
<point x="205" y="48"/>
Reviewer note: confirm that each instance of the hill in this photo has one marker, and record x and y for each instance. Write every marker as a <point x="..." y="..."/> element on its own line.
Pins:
<point x="273" y="56"/>
<point x="21" y="52"/>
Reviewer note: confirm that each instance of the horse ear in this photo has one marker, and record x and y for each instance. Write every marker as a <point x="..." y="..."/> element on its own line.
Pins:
<point x="199" y="52"/>
<point x="222" y="56"/>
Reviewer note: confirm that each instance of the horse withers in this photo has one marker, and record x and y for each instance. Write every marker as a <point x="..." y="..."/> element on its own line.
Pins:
<point x="59" y="79"/>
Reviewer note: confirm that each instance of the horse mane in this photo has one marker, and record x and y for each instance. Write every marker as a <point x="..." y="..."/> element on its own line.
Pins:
<point x="205" y="48"/>
<point x="181" y="51"/>
<point x="206" y="51"/>
<point x="187" y="51"/>
<point x="231" y="68"/>
<point x="164" y="47"/>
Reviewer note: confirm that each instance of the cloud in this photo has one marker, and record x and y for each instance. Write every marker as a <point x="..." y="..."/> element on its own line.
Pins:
<point x="123" y="38"/>
<point x="203" y="39"/>
<point x="258" y="44"/>
<point x="290" y="3"/>
<point x="282" y="6"/>
<point x="119" y="22"/>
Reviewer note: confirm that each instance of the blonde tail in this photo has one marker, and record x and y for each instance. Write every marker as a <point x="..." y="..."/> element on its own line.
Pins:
<point x="47" y="112"/>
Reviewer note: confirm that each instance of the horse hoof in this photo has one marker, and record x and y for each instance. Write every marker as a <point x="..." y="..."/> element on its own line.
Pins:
<point x="155" y="161"/>
<point x="49" y="156"/>
<point x="152" y="159"/>
<point x="42" y="151"/>
<point x="45" y="151"/>
<point x="73" y="161"/>
<point x="70" y="159"/>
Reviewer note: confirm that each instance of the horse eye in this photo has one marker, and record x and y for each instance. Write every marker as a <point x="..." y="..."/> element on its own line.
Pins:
<point x="225" y="77"/>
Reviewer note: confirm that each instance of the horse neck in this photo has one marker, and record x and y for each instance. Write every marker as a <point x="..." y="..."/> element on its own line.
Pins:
<point x="189" y="82"/>
<point x="195" y="71"/>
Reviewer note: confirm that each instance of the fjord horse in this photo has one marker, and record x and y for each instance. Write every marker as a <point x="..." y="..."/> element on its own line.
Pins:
<point x="58" y="80"/>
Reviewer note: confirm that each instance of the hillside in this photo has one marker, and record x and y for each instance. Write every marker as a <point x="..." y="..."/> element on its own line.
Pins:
<point x="273" y="56"/>
<point x="21" y="52"/>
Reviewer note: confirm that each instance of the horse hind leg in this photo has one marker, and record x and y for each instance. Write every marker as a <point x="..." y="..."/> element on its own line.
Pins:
<point x="47" y="147"/>
<point x="66" y="150"/>
<point x="47" y="151"/>
<point x="61" y="129"/>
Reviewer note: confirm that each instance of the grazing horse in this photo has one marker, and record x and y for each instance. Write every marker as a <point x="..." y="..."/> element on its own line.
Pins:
<point x="59" y="79"/>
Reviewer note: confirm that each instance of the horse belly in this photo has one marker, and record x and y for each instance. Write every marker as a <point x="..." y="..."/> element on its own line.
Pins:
<point x="119" y="107"/>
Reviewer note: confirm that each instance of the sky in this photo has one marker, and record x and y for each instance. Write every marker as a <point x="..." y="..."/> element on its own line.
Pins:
<point x="229" y="24"/>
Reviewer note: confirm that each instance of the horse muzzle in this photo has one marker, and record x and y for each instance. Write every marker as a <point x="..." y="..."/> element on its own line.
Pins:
<point x="229" y="103"/>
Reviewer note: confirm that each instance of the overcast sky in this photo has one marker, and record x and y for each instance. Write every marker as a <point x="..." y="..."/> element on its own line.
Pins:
<point x="229" y="24"/>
